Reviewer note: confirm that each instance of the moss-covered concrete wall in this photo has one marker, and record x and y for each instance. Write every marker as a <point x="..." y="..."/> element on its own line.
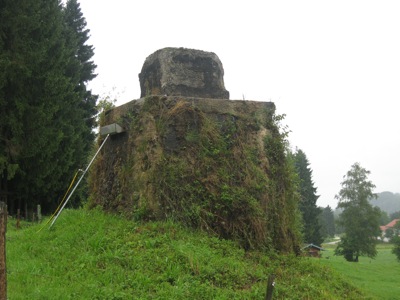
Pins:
<point x="219" y="165"/>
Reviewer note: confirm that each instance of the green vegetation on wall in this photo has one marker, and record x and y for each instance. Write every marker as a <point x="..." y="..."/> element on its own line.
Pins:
<point x="223" y="169"/>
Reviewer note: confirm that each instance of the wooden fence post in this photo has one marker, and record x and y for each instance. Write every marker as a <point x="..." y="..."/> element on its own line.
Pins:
<point x="3" y="229"/>
<point x="39" y="213"/>
<point x="18" y="225"/>
<point x="270" y="287"/>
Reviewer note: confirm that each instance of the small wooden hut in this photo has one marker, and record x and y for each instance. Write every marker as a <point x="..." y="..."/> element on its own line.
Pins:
<point x="312" y="250"/>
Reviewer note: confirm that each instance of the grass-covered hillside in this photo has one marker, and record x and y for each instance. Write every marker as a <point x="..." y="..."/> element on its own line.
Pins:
<point x="93" y="255"/>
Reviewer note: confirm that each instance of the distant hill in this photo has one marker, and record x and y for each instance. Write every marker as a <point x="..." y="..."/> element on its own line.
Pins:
<point x="387" y="201"/>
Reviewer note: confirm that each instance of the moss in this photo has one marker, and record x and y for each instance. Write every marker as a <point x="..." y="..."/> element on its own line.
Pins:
<point x="213" y="164"/>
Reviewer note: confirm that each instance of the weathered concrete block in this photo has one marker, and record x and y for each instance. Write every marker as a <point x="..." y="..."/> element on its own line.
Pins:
<point x="183" y="72"/>
<point x="111" y="129"/>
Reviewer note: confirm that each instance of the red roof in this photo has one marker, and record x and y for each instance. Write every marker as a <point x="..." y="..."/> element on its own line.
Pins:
<point x="390" y="224"/>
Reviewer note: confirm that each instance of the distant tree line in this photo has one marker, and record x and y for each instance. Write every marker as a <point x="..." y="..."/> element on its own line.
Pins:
<point x="356" y="219"/>
<point x="47" y="112"/>
<point x="387" y="201"/>
<point x="320" y="223"/>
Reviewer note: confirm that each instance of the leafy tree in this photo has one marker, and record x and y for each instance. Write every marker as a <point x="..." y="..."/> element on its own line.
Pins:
<point x="338" y="227"/>
<point x="396" y="228"/>
<point x="389" y="233"/>
<point x="106" y="102"/>
<point x="396" y="249"/>
<point x="327" y="221"/>
<point x="359" y="219"/>
<point x="308" y="201"/>
<point x="383" y="218"/>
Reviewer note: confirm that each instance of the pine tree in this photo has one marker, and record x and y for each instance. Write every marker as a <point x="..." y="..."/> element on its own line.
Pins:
<point x="26" y="107"/>
<point x="308" y="203"/>
<point x="81" y="70"/>
<point x="7" y="165"/>
<point x="327" y="221"/>
<point x="359" y="219"/>
<point x="81" y="67"/>
<point x="44" y="132"/>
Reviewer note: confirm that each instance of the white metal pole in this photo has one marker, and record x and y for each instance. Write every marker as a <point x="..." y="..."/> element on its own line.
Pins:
<point x="76" y="185"/>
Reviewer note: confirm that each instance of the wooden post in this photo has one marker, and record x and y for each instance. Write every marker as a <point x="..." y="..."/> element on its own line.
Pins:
<point x="39" y="213"/>
<point x="3" y="229"/>
<point x="18" y="219"/>
<point x="270" y="287"/>
<point x="26" y="211"/>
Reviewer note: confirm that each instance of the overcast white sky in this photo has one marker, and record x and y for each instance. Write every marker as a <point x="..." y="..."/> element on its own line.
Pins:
<point x="333" y="67"/>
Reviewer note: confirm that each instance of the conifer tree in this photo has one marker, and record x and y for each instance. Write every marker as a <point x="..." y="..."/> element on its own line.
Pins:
<point x="308" y="202"/>
<point x="82" y="67"/>
<point x="43" y="135"/>
<point x="30" y="49"/>
<point x="327" y="221"/>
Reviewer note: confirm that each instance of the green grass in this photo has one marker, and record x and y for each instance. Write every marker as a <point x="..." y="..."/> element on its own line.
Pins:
<point x="379" y="277"/>
<point x="92" y="255"/>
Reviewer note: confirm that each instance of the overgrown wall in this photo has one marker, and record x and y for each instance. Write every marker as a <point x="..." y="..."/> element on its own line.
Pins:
<point x="219" y="165"/>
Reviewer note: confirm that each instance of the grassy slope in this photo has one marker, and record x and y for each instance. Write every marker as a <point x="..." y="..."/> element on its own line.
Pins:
<point x="90" y="255"/>
<point x="379" y="277"/>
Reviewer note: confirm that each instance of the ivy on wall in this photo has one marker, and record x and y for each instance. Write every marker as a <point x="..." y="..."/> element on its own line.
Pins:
<point x="224" y="171"/>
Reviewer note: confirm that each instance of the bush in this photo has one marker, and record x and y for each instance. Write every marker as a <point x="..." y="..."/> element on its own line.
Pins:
<point x="396" y="249"/>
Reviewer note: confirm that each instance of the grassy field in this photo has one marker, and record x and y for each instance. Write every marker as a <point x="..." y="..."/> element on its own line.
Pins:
<point x="91" y="255"/>
<point x="379" y="277"/>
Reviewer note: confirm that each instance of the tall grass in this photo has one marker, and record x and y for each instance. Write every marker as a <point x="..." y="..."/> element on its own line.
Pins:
<point x="93" y="255"/>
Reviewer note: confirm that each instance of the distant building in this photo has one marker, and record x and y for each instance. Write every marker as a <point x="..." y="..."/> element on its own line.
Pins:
<point x="390" y="225"/>
<point x="312" y="250"/>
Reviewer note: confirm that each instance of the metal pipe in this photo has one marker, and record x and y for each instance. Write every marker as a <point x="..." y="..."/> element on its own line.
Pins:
<point x="76" y="185"/>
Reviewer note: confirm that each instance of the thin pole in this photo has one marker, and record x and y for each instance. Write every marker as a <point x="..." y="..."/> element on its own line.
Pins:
<point x="79" y="181"/>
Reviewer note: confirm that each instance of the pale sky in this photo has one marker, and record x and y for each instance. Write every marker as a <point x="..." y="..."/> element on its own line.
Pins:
<point x="333" y="67"/>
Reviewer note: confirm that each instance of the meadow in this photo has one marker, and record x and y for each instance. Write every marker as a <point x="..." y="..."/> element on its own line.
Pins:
<point x="379" y="277"/>
<point x="94" y="255"/>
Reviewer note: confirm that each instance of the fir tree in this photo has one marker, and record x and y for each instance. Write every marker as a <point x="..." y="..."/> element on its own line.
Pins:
<point x="327" y="221"/>
<point x="81" y="67"/>
<point x="44" y="132"/>
<point x="308" y="202"/>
